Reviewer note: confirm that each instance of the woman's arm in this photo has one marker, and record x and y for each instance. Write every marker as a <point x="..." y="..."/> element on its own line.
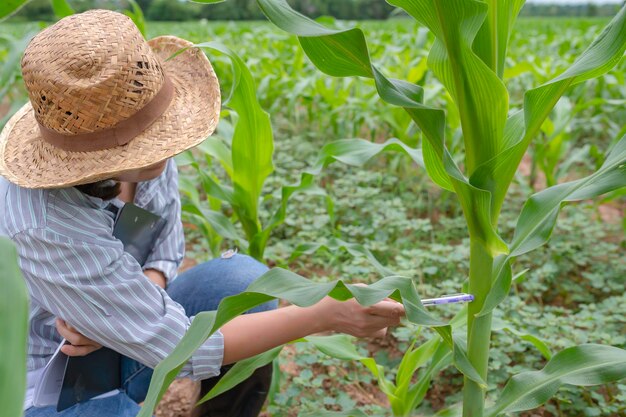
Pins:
<point x="251" y="334"/>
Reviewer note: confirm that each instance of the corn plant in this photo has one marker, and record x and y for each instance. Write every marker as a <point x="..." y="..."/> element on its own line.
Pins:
<point x="468" y="56"/>
<point x="14" y="330"/>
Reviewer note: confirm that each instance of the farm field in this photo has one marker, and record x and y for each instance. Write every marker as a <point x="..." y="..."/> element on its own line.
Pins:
<point x="569" y="292"/>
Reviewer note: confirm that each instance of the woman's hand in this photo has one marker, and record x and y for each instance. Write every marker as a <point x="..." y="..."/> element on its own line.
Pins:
<point x="352" y="318"/>
<point x="79" y="344"/>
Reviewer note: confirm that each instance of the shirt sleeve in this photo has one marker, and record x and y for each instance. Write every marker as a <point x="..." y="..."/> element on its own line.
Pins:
<point x="102" y="291"/>
<point x="169" y="248"/>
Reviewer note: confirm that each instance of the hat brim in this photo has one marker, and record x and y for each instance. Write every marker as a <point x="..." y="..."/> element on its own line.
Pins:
<point x="29" y="161"/>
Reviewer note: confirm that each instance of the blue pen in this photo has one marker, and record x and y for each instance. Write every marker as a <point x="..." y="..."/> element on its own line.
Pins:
<point x="447" y="299"/>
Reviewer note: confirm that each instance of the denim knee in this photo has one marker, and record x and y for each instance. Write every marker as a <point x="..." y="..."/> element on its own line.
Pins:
<point x="202" y="287"/>
<point x="248" y="269"/>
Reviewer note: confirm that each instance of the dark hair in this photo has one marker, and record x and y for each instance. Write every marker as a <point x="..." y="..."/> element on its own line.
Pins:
<point x="106" y="189"/>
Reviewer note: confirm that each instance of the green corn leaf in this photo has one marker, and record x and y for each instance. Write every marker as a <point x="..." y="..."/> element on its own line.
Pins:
<point x="279" y="283"/>
<point x="215" y="190"/>
<point x="412" y="360"/>
<point x="253" y="143"/>
<point x="540" y="213"/>
<point x="220" y="223"/>
<point x="583" y="365"/>
<point x="415" y="395"/>
<point x="239" y="372"/>
<point x="493" y="37"/>
<point x="471" y="83"/>
<point x="8" y="7"/>
<point x="602" y="55"/>
<point x="61" y="8"/>
<point x="13" y="328"/>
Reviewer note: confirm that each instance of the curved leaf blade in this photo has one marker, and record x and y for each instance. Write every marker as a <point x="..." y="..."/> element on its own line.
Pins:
<point x="582" y="365"/>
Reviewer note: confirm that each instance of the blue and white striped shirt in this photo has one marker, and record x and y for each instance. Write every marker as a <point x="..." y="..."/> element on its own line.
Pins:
<point x="76" y="270"/>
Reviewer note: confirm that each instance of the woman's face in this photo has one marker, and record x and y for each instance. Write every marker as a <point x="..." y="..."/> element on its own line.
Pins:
<point x="142" y="174"/>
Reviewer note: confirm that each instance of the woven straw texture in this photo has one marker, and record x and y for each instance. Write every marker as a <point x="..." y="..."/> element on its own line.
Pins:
<point x="87" y="73"/>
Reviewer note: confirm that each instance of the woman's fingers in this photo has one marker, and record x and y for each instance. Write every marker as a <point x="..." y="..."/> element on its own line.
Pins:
<point x="79" y="344"/>
<point x="72" y="350"/>
<point x="387" y="308"/>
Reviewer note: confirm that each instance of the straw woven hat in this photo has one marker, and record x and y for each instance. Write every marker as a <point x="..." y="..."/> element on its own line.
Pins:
<point x="104" y="101"/>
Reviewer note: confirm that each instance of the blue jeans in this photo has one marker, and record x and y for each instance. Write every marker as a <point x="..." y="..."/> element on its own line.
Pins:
<point x="200" y="288"/>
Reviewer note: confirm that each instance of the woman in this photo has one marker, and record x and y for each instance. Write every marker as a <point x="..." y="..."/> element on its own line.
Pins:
<point x="107" y="112"/>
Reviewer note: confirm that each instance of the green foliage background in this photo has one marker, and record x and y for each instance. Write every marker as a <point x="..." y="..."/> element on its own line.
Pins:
<point x="574" y="291"/>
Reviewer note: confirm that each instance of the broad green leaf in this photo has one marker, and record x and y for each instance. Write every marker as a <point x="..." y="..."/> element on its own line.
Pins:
<point x="412" y="359"/>
<point x="207" y="1"/>
<point x="14" y="331"/>
<point x="583" y="365"/>
<point x="540" y="212"/>
<point x="602" y="55"/>
<point x="279" y="283"/>
<point x="342" y="347"/>
<point x="470" y="82"/>
<point x="214" y="189"/>
<point x="8" y="7"/>
<point x="240" y="371"/>
<point x="220" y="223"/>
<point x="252" y="146"/>
<point x="61" y="8"/>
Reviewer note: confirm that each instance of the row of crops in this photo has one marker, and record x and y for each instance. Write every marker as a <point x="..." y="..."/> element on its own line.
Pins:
<point x="356" y="215"/>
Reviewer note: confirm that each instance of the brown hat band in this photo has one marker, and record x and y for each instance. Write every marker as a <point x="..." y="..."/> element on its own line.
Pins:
<point x="122" y="133"/>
